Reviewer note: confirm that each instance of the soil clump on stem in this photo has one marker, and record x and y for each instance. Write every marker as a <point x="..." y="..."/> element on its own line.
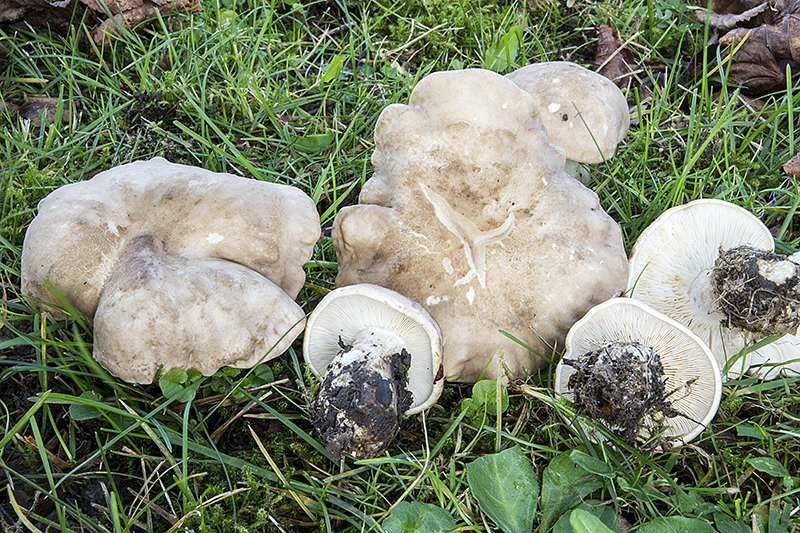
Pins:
<point x="622" y="384"/>
<point x="757" y="290"/>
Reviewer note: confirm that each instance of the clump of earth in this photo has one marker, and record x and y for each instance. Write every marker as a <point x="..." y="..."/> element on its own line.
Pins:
<point x="758" y="291"/>
<point x="624" y="385"/>
<point x="360" y="404"/>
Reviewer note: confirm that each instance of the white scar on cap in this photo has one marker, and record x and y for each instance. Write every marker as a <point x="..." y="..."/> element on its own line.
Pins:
<point x="214" y="238"/>
<point x="474" y="240"/>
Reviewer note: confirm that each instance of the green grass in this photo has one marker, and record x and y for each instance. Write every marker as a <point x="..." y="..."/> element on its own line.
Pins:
<point x="290" y="92"/>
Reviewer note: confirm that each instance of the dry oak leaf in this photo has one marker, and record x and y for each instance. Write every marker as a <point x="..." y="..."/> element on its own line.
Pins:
<point x="792" y="167"/>
<point x="760" y="55"/>
<point x="612" y="60"/>
<point x="130" y="13"/>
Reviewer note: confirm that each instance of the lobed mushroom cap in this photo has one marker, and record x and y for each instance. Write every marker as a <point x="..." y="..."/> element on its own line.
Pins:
<point x="175" y="265"/>
<point x="683" y="356"/>
<point x="671" y="262"/>
<point x="345" y="312"/>
<point x="583" y="112"/>
<point x="470" y="214"/>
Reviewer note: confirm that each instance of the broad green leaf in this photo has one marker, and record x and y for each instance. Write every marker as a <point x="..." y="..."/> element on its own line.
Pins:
<point x="264" y="373"/>
<point x="334" y="69"/>
<point x="484" y="393"/>
<point x="768" y="465"/>
<point x="726" y="524"/>
<point x="686" y="502"/>
<point x="501" y="54"/>
<point x="175" y="385"/>
<point x="585" y="522"/>
<point x="504" y="484"/>
<point x="315" y="143"/>
<point x="417" y="517"/>
<point x="675" y="523"/>
<point x="604" y="513"/>
<point x="80" y="411"/>
<point x="591" y="464"/>
<point x="564" y="485"/>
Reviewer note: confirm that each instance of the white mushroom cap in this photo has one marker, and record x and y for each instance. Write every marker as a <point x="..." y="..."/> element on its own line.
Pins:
<point x="345" y="312"/>
<point x="176" y="265"/>
<point x="683" y="356"/>
<point x="581" y="110"/>
<point x="671" y="262"/>
<point x="780" y="357"/>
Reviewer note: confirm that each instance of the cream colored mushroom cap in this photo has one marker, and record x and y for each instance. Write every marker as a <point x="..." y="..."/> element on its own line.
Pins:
<point x="174" y="264"/>
<point x="671" y="262"/>
<point x="344" y="312"/>
<point x="683" y="356"/>
<point x="581" y="110"/>
<point x="781" y="357"/>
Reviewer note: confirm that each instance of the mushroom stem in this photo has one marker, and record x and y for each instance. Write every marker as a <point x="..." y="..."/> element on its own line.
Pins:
<point x="757" y="290"/>
<point x="363" y="395"/>
<point x="623" y="383"/>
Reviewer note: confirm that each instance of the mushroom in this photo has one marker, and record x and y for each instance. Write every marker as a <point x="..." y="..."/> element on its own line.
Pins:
<point x="583" y="112"/>
<point x="176" y="265"/>
<point x="379" y="356"/>
<point x="779" y="357"/>
<point x="639" y="371"/>
<point x="672" y="268"/>
<point x="470" y="213"/>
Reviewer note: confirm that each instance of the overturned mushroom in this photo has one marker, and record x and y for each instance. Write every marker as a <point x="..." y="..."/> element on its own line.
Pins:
<point x="673" y="269"/>
<point x="640" y="372"/>
<point x="470" y="213"/>
<point x="583" y="112"/>
<point x="177" y="266"/>
<point x="379" y="356"/>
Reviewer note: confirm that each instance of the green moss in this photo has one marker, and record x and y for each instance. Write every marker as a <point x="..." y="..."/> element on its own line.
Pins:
<point x="440" y="30"/>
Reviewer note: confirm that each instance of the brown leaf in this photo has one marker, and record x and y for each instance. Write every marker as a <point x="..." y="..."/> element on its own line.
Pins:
<point x="728" y="21"/>
<point x="38" y="106"/>
<point x="38" y="13"/>
<point x="612" y="60"/>
<point x="105" y="32"/>
<point x="792" y="167"/>
<point x="112" y="6"/>
<point x="762" y="54"/>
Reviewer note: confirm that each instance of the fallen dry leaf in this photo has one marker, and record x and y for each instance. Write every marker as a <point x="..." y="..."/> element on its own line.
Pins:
<point x="792" y="167"/>
<point x="133" y="13"/>
<point x="728" y="21"/>
<point x="760" y="55"/>
<point x="612" y="60"/>
<point x="37" y="106"/>
<point x="759" y="40"/>
<point x="124" y="14"/>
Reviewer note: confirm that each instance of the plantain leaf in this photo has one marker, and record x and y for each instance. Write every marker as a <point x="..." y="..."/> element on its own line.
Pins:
<point x="585" y="522"/>
<point x="417" y="517"/>
<point x="505" y="486"/>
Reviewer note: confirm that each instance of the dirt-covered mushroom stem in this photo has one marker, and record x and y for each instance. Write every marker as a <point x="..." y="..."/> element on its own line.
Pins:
<point x="640" y="372"/>
<point x="757" y="290"/>
<point x="362" y="398"/>
<point x="379" y="357"/>
<point x="622" y="383"/>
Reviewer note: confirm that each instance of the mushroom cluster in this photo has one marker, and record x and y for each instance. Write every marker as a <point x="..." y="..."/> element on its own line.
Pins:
<point x="177" y="266"/>
<point x="470" y="213"/>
